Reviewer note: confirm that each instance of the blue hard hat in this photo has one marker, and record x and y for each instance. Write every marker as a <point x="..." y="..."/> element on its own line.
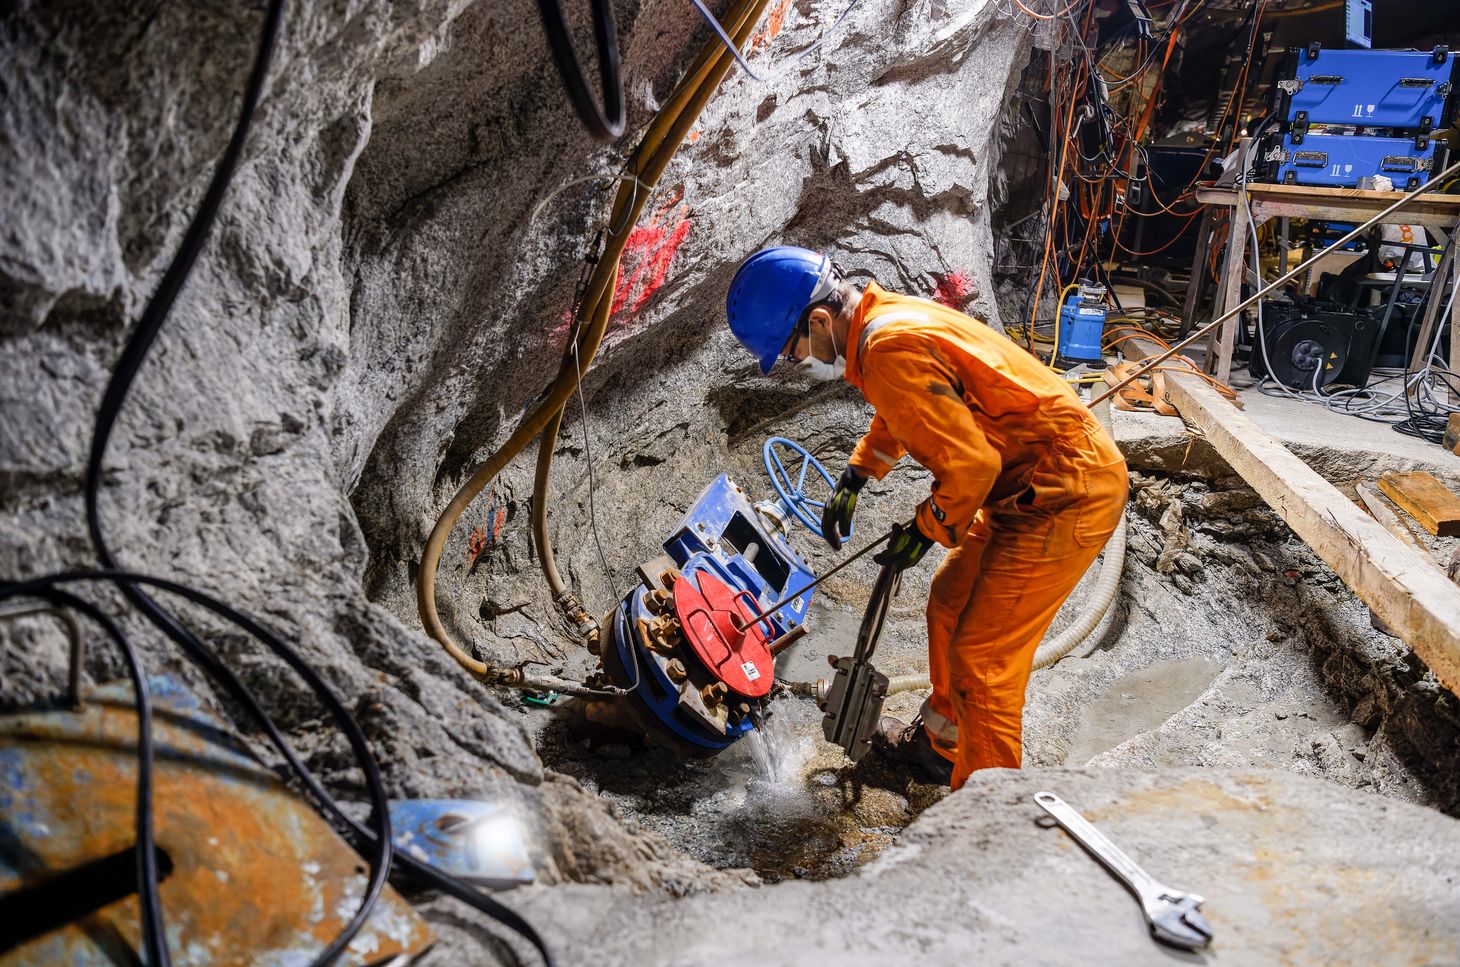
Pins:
<point x="770" y="291"/>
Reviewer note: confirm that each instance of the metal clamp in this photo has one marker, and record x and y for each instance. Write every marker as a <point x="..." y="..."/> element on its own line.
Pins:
<point x="853" y="701"/>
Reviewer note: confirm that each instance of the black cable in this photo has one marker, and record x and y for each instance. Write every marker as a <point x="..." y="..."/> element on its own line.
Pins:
<point x="608" y="123"/>
<point x="1424" y="423"/>
<point x="428" y="875"/>
<point x="176" y="275"/>
<point x="123" y="375"/>
<point x="155" y="314"/>
<point x="154" y="933"/>
<point x="379" y="858"/>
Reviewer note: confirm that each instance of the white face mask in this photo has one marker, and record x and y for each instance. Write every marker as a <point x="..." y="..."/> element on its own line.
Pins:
<point x="821" y="370"/>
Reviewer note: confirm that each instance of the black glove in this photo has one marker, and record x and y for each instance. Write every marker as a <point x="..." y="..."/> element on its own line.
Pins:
<point x="906" y="548"/>
<point x="836" y="516"/>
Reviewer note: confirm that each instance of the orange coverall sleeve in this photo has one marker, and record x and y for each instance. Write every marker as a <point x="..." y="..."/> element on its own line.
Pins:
<point x="878" y="451"/>
<point x="919" y="402"/>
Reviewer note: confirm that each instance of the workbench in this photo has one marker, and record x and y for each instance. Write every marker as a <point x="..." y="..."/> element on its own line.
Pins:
<point x="1302" y="201"/>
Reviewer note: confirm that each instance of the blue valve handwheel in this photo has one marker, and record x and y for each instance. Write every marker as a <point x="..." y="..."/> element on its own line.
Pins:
<point x="793" y="495"/>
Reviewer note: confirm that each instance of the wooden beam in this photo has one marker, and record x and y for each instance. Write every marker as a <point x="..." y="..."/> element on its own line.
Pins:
<point x="1423" y="497"/>
<point x="1380" y="510"/>
<point x="1451" y="439"/>
<point x="1430" y="318"/>
<point x="1432" y="210"/>
<point x="1408" y="592"/>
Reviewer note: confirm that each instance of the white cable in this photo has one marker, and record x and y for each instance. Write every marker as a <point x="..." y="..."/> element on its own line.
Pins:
<point x="791" y="61"/>
<point x="547" y="199"/>
<point x="633" y="644"/>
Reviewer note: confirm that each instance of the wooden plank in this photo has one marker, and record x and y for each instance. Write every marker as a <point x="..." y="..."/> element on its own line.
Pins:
<point x="1229" y="293"/>
<point x="1343" y="204"/>
<point x="1454" y="325"/>
<point x="1380" y="510"/>
<point x="1423" y="497"/>
<point x="1217" y="197"/>
<point x="1407" y="591"/>
<point x="1353" y="204"/>
<point x="1349" y="196"/>
<point x="1451" y="440"/>
<point x="1413" y="214"/>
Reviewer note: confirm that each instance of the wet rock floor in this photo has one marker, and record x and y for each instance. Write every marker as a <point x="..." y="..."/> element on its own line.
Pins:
<point x="1230" y="645"/>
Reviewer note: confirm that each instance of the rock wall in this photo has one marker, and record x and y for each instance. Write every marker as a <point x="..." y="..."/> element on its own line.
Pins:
<point x="380" y="299"/>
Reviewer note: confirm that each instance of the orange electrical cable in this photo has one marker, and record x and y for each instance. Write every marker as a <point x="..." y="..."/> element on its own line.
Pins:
<point x="1053" y="196"/>
<point x="1163" y="246"/>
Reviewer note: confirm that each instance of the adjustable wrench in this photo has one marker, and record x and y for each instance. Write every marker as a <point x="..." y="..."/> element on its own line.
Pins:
<point x="1172" y="914"/>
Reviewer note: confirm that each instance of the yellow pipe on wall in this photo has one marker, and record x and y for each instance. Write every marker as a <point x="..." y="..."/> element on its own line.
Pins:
<point x="661" y="140"/>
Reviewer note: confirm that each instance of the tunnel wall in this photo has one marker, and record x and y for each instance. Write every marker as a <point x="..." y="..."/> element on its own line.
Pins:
<point x="377" y="305"/>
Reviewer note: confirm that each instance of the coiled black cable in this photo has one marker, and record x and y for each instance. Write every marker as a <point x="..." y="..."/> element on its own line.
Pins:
<point x="608" y="123"/>
<point x="154" y="936"/>
<point x="375" y="838"/>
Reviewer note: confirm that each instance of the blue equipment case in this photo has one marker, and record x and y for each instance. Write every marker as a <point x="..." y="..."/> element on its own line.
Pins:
<point x="1410" y="91"/>
<point x="1081" y="328"/>
<point x="1340" y="160"/>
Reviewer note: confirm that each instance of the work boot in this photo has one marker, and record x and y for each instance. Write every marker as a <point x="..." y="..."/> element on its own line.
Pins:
<point x="908" y="746"/>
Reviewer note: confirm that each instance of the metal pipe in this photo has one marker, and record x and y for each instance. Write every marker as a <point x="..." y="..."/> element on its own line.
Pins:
<point x="802" y="590"/>
<point x="788" y="639"/>
<point x="1149" y="364"/>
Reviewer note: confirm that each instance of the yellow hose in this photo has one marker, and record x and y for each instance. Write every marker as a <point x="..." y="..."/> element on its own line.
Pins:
<point x="679" y="114"/>
<point x="668" y="128"/>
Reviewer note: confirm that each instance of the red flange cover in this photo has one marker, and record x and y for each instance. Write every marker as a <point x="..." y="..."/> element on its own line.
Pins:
<point x="709" y="610"/>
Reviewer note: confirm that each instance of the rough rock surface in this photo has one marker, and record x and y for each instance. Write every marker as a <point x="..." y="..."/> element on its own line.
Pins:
<point x="379" y="300"/>
<point x="1293" y="870"/>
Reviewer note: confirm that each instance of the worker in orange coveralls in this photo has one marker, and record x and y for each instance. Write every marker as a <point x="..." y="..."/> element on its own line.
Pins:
<point x="1027" y="485"/>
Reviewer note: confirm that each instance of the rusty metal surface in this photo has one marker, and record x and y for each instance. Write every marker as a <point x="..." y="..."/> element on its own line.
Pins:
<point x="257" y="877"/>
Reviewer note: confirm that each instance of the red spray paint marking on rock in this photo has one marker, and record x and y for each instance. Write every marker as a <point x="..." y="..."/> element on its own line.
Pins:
<point x="954" y="289"/>
<point x="773" y="26"/>
<point x="651" y="249"/>
<point x="644" y="267"/>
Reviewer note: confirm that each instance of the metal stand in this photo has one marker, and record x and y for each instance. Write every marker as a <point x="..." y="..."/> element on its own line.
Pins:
<point x="1325" y="204"/>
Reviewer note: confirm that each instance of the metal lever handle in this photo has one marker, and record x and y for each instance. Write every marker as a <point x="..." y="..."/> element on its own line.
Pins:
<point x="803" y="589"/>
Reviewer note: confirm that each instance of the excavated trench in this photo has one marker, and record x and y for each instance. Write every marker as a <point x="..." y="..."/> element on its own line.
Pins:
<point x="1230" y="644"/>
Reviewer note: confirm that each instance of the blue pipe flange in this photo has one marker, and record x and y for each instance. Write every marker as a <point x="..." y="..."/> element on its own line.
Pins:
<point x="654" y="700"/>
